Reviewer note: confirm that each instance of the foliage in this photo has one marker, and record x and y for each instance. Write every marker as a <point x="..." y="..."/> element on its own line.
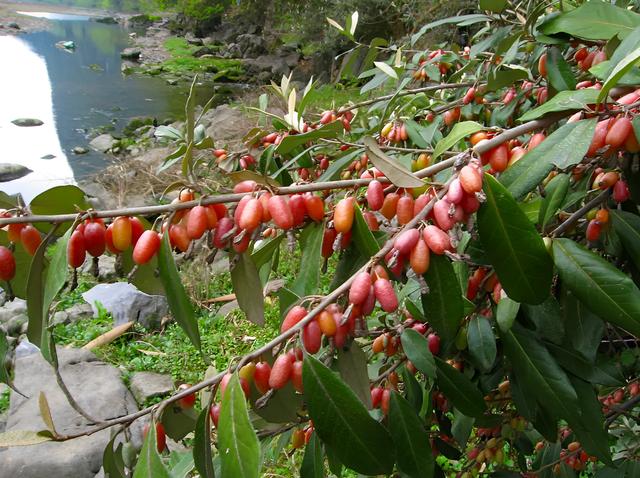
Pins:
<point x="483" y="302"/>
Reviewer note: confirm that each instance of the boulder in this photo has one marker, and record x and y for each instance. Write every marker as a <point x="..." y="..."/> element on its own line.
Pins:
<point x="48" y="156"/>
<point x="205" y="50"/>
<point x="103" y="143"/>
<point x="73" y="314"/>
<point x="79" y="150"/>
<point x="106" y="263"/>
<point x="99" y="390"/>
<point x="225" y="123"/>
<point x="126" y="303"/>
<point x="274" y="65"/>
<point x="131" y="54"/>
<point x="11" y="309"/>
<point x="251" y="45"/>
<point x="146" y="385"/>
<point x="27" y="122"/>
<point x="11" y="171"/>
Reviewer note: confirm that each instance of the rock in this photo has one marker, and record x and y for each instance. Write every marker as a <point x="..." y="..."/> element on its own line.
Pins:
<point x="205" y="50"/>
<point x="48" y="156"/>
<point x="106" y="263"/>
<point x="274" y="65"/>
<point x="11" y="171"/>
<point x="27" y="122"/>
<point x="67" y="45"/>
<point x="12" y="308"/>
<point x="13" y="25"/>
<point x="171" y="81"/>
<point x="131" y="54"/>
<point x="232" y="50"/>
<point x="79" y="150"/>
<point x="251" y="45"/>
<point x="73" y="314"/>
<point x="99" y="198"/>
<point x="146" y="385"/>
<point x="99" y="390"/>
<point x="103" y="143"/>
<point x="194" y="41"/>
<point x="225" y="123"/>
<point x="14" y="325"/>
<point x="126" y="303"/>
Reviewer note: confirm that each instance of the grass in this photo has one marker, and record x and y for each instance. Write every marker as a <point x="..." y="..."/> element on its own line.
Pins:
<point x="4" y="400"/>
<point x="182" y="61"/>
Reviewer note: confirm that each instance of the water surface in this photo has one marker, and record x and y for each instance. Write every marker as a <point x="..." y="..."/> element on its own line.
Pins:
<point x="72" y="92"/>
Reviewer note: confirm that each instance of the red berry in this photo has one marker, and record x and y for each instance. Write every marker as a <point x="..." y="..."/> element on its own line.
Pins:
<point x="146" y="247"/>
<point x="188" y="401"/>
<point x="7" y="264"/>
<point x="76" y="249"/>
<point x="95" y="238"/>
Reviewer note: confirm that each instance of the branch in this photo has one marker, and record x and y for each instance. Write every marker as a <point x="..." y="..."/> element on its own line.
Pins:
<point x="312" y="314"/>
<point x="571" y="220"/>
<point x="621" y="410"/>
<point x="218" y="199"/>
<point x="414" y="91"/>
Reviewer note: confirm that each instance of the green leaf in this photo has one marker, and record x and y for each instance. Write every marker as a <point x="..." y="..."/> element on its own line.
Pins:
<point x="150" y="464"/>
<point x="58" y="200"/>
<point x="513" y="245"/>
<point x="112" y="461"/>
<point x="603" y="288"/>
<point x="482" y="342"/>
<point x="587" y="328"/>
<point x="461" y="428"/>
<point x="390" y="167"/>
<point x="618" y="72"/>
<point x="580" y="367"/>
<point x="362" y="235"/>
<point x="416" y="134"/>
<point x="343" y="423"/>
<point x="627" y="226"/>
<point x="563" y="101"/>
<point x="540" y="375"/>
<point x="591" y="431"/>
<point x="5" y="377"/>
<point x="466" y="19"/>
<point x="593" y="21"/>
<point x="248" y="288"/>
<point x="57" y="271"/>
<point x="38" y="312"/>
<point x="178" y="422"/>
<point x="458" y="132"/>
<point x="465" y="396"/>
<point x="308" y="276"/>
<point x="352" y="365"/>
<point x="495" y="6"/>
<point x="443" y="306"/>
<point x="416" y="347"/>
<point x="414" y="455"/>
<point x="312" y="463"/>
<point x="202" y="456"/>
<point x="179" y="303"/>
<point x="386" y="69"/>
<point x="559" y="72"/>
<point x="505" y="76"/>
<point x="237" y="441"/>
<point x="337" y="165"/>
<point x="24" y="438"/>
<point x="556" y="192"/>
<point x="291" y="142"/>
<point x="506" y="313"/>
<point x="282" y="407"/>
<point x="546" y="319"/>
<point x="267" y="248"/>
<point x="564" y="148"/>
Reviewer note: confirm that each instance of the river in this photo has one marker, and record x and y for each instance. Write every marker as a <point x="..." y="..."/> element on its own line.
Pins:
<point x="71" y="92"/>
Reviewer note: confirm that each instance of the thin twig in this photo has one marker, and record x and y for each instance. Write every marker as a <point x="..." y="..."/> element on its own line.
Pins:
<point x="571" y="220"/>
